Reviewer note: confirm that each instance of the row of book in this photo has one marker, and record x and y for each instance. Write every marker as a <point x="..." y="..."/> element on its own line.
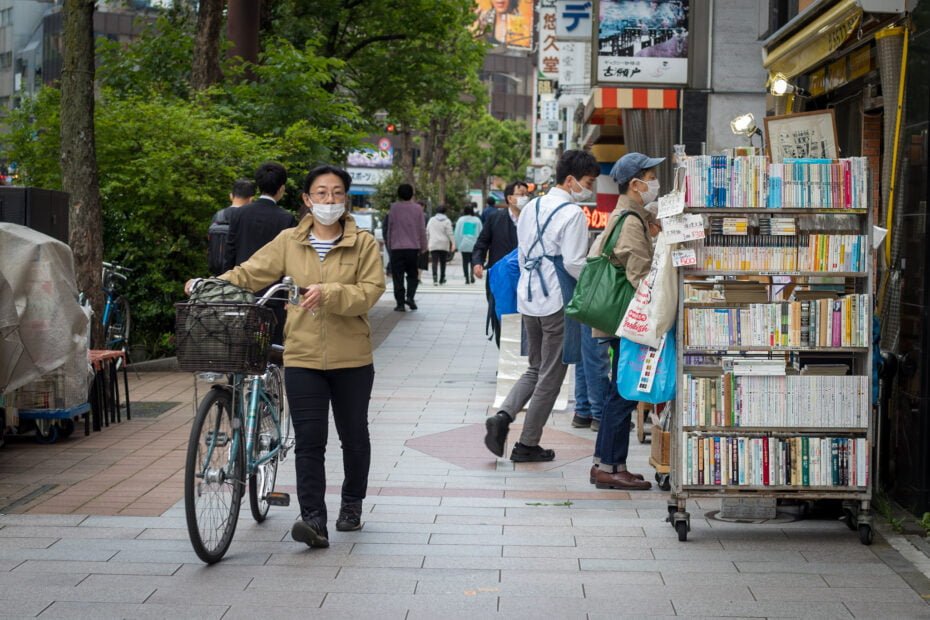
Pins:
<point x="810" y="401"/>
<point x="709" y="460"/>
<point x="814" y="252"/>
<point x="750" y="182"/>
<point x="817" y="323"/>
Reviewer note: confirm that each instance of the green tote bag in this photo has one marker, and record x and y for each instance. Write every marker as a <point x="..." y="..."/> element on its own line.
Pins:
<point x="603" y="292"/>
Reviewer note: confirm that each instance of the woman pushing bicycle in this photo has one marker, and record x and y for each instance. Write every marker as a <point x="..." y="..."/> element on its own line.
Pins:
<point x="327" y="340"/>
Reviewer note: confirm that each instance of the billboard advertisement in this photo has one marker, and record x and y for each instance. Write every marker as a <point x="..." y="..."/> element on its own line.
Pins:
<point x="377" y="155"/>
<point x="643" y="42"/>
<point x="506" y="22"/>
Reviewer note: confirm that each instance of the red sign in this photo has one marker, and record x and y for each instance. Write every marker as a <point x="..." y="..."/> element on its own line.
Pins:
<point x="597" y="219"/>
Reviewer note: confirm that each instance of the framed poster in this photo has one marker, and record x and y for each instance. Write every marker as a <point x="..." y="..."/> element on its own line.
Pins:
<point x="641" y="42"/>
<point x="507" y="22"/>
<point x="801" y="135"/>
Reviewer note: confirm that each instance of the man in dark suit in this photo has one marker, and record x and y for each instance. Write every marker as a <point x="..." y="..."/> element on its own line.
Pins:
<point x="498" y="238"/>
<point x="257" y="223"/>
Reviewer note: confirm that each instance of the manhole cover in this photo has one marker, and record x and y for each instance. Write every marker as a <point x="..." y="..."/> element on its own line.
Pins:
<point x="151" y="409"/>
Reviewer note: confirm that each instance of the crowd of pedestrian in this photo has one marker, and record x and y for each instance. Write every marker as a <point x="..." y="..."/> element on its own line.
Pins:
<point x="327" y="338"/>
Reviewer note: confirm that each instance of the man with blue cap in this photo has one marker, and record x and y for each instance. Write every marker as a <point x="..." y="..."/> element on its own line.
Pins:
<point x="635" y="175"/>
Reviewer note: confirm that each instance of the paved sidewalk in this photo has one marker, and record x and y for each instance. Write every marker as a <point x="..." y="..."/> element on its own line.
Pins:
<point x="450" y="531"/>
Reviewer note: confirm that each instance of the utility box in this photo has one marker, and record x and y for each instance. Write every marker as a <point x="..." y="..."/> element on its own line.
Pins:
<point x="44" y="210"/>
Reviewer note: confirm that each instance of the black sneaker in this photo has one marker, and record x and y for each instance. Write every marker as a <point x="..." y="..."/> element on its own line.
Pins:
<point x="350" y="517"/>
<point x="412" y="304"/>
<point x="580" y="422"/>
<point x="530" y="454"/>
<point x="399" y="309"/>
<point x="311" y="531"/>
<point x="595" y="425"/>
<point x="496" y="437"/>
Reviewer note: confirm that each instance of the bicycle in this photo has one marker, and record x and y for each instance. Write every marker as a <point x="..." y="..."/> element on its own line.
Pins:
<point x="241" y="430"/>
<point x="116" y="315"/>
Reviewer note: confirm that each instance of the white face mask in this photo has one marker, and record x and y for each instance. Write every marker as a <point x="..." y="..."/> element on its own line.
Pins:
<point x="651" y="193"/>
<point x="583" y="194"/>
<point x="327" y="214"/>
<point x="521" y="201"/>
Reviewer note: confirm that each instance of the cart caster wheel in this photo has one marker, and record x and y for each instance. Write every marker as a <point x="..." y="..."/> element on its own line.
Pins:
<point x="865" y="534"/>
<point x="46" y="433"/>
<point x="672" y="509"/>
<point x="682" y="528"/>
<point x="849" y="519"/>
<point x="65" y="428"/>
<point x="663" y="481"/>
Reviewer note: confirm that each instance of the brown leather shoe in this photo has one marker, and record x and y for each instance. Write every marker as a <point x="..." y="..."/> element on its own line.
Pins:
<point x="620" y="480"/>
<point x="593" y="475"/>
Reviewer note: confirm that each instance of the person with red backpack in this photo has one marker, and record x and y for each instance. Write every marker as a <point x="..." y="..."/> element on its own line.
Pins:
<point x="241" y="195"/>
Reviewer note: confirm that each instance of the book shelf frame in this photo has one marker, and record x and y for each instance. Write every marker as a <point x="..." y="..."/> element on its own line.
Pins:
<point x="856" y="499"/>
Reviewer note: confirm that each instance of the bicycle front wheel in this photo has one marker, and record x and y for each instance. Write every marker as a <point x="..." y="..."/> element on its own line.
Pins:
<point x="263" y="478"/>
<point x="274" y="387"/>
<point x="213" y="477"/>
<point x="118" y="330"/>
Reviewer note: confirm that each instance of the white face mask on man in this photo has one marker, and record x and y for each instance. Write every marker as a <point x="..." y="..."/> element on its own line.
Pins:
<point x="583" y="194"/>
<point x="327" y="214"/>
<point x="520" y="201"/>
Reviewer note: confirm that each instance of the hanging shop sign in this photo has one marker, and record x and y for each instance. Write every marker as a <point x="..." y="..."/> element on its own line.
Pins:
<point x="814" y="42"/>
<point x="642" y="42"/>
<point x="575" y="64"/>
<point x="548" y="44"/>
<point x="511" y="26"/>
<point x="574" y="20"/>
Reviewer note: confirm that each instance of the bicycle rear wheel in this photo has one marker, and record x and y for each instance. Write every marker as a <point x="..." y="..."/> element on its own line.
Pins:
<point x="118" y="330"/>
<point x="213" y="477"/>
<point x="262" y="479"/>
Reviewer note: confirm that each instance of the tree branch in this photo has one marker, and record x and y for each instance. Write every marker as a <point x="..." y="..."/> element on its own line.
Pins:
<point x="377" y="39"/>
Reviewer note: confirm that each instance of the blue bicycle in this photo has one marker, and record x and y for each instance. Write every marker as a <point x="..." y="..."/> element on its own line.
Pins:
<point x="242" y="429"/>
<point x="116" y="315"/>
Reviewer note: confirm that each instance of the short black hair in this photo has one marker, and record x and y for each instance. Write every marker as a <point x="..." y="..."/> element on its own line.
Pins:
<point x="405" y="191"/>
<point x="322" y="169"/>
<point x="491" y="201"/>
<point x="624" y="187"/>
<point x="243" y="188"/>
<point x="441" y="209"/>
<point x="510" y="189"/>
<point x="270" y="176"/>
<point x="576" y="163"/>
<point x="469" y="210"/>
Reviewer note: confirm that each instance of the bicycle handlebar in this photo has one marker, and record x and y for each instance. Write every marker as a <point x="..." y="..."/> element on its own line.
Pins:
<point x="294" y="292"/>
<point x="116" y="268"/>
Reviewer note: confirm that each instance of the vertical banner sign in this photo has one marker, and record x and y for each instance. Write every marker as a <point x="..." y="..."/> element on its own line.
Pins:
<point x="574" y="20"/>
<point x="575" y="64"/>
<point x="643" y="42"/>
<point x="548" y="46"/>
<point x="509" y="23"/>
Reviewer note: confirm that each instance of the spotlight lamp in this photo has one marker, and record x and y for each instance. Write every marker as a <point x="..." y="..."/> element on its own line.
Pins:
<point x="745" y="125"/>
<point x="781" y="86"/>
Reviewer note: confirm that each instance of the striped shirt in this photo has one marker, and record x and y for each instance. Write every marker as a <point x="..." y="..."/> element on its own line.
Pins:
<point x="323" y="246"/>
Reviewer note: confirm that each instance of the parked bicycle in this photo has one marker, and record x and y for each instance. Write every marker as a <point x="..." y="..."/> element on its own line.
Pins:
<point x="242" y="430"/>
<point x="116" y="315"/>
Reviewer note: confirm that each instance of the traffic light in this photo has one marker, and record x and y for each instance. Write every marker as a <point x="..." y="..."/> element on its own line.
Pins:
<point x="391" y="128"/>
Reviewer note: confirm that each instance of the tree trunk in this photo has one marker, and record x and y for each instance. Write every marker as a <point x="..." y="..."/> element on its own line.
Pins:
<point x="78" y="157"/>
<point x="206" y="67"/>
<point x="242" y="24"/>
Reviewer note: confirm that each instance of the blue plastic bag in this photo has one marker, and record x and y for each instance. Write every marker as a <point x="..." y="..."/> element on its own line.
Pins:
<point x="630" y="371"/>
<point x="503" y="278"/>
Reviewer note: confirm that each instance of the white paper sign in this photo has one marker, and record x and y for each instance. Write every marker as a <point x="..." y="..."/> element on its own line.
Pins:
<point x="878" y="235"/>
<point x="684" y="257"/>
<point x="684" y="227"/>
<point x="671" y="204"/>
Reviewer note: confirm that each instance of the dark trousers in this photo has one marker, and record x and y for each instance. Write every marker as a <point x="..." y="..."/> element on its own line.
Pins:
<point x="404" y="263"/>
<point x="439" y="258"/>
<point x="309" y="394"/>
<point x="613" y="437"/>
<point x="492" y="323"/>
<point x="466" y="268"/>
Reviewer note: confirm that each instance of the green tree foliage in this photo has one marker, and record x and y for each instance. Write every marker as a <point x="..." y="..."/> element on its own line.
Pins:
<point x="488" y="147"/>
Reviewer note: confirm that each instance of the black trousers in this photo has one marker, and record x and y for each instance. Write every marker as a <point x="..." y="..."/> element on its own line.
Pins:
<point x="466" y="267"/>
<point x="492" y="323"/>
<point x="439" y="258"/>
<point x="404" y="263"/>
<point x="309" y="394"/>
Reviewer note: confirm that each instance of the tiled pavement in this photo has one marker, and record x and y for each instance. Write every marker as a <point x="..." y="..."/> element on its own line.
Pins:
<point x="451" y="532"/>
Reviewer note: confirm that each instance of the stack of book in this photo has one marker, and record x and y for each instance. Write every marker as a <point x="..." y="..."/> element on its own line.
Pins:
<point x="807" y="401"/>
<point x="781" y="226"/>
<point x="821" y="323"/>
<point x="710" y="460"/>
<point x="815" y="252"/>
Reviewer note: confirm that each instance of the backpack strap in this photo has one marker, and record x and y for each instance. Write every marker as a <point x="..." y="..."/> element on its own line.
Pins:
<point x="534" y="264"/>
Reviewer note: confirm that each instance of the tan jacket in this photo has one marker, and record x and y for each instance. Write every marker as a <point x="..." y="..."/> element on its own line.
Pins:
<point x="352" y="279"/>
<point x="633" y="249"/>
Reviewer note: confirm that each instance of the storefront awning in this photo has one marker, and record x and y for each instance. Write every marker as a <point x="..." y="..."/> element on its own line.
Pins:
<point x="814" y="42"/>
<point x="605" y="103"/>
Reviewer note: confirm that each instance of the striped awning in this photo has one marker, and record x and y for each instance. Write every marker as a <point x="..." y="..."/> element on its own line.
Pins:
<point x="604" y="106"/>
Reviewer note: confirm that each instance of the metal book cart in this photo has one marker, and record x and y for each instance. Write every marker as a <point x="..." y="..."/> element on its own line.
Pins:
<point x="699" y="359"/>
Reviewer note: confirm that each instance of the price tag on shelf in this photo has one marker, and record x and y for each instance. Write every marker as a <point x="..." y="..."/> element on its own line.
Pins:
<point x="683" y="227"/>
<point x="671" y="204"/>
<point x="685" y="257"/>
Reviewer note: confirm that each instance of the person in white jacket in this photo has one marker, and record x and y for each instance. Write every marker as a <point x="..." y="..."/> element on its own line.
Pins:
<point x="439" y="238"/>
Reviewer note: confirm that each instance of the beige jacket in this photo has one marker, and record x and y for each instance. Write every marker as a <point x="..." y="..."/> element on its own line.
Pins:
<point x="352" y="279"/>
<point x="633" y="249"/>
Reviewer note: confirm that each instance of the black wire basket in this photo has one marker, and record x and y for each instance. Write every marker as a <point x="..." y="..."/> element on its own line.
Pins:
<point x="223" y="337"/>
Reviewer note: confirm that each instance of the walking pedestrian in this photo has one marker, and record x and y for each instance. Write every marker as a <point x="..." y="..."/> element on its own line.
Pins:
<point x="341" y="268"/>
<point x="441" y="242"/>
<point x="635" y="175"/>
<point x="489" y="210"/>
<point x="406" y="238"/>
<point x="497" y="239"/>
<point x="467" y="229"/>
<point x="552" y="240"/>
<point x="242" y="192"/>
<point x="257" y="223"/>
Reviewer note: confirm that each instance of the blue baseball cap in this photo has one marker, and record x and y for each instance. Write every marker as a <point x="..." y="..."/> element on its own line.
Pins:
<point x="632" y="164"/>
